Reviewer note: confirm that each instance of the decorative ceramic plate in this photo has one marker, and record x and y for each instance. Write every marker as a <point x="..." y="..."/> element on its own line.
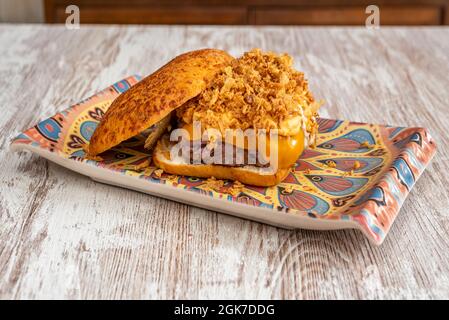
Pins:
<point x="357" y="177"/>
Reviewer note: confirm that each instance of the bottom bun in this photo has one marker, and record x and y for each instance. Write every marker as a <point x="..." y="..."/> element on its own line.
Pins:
<point x="252" y="175"/>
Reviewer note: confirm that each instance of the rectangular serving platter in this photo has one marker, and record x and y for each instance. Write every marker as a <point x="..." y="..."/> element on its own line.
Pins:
<point x="315" y="195"/>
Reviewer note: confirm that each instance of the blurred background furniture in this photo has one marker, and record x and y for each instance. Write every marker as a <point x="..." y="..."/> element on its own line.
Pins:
<point x="229" y="12"/>
<point x="253" y="12"/>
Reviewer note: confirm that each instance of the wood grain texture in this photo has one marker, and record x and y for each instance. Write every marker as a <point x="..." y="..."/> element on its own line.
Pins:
<point x="65" y="236"/>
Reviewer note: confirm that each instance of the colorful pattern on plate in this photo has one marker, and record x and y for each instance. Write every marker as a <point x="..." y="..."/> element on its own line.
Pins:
<point x="360" y="172"/>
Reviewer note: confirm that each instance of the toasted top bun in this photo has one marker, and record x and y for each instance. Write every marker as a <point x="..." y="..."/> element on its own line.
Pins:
<point x="156" y="96"/>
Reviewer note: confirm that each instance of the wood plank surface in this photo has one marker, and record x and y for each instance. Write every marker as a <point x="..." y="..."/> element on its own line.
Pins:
<point x="65" y="236"/>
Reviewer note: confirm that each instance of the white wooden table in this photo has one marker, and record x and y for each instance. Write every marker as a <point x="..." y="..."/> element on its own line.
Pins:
<point x="65" y="236"/>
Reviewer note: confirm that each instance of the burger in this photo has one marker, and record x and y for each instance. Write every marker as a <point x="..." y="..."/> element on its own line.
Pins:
<point x="209" y="115"/>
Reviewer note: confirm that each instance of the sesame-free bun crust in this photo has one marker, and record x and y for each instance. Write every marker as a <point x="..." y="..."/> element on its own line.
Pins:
<point x="246" y="175"/>
<point x="156" y="96"/>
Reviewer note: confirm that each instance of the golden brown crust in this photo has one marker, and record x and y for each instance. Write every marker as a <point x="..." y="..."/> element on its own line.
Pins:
<point x="162" y="161"/>
<point x="156" y="96"/>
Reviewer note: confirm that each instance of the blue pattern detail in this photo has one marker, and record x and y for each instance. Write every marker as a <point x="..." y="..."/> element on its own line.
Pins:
<point x="404" y="172"/>
<point x="50" y="129"/>
<point x="350" y="142"/>
<point x="87" y="129"/>
<point x="376" y="194"/>
<point x="121" y="86"/>
<point x="395" y="132"/>
<point x="371" y="223"/>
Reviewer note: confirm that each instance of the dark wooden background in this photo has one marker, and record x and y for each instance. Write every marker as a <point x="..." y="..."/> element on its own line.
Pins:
<point x="252" y="12"/>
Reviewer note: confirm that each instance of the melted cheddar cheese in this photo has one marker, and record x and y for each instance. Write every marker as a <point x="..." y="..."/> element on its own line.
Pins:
<point x="289" y="147"/>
